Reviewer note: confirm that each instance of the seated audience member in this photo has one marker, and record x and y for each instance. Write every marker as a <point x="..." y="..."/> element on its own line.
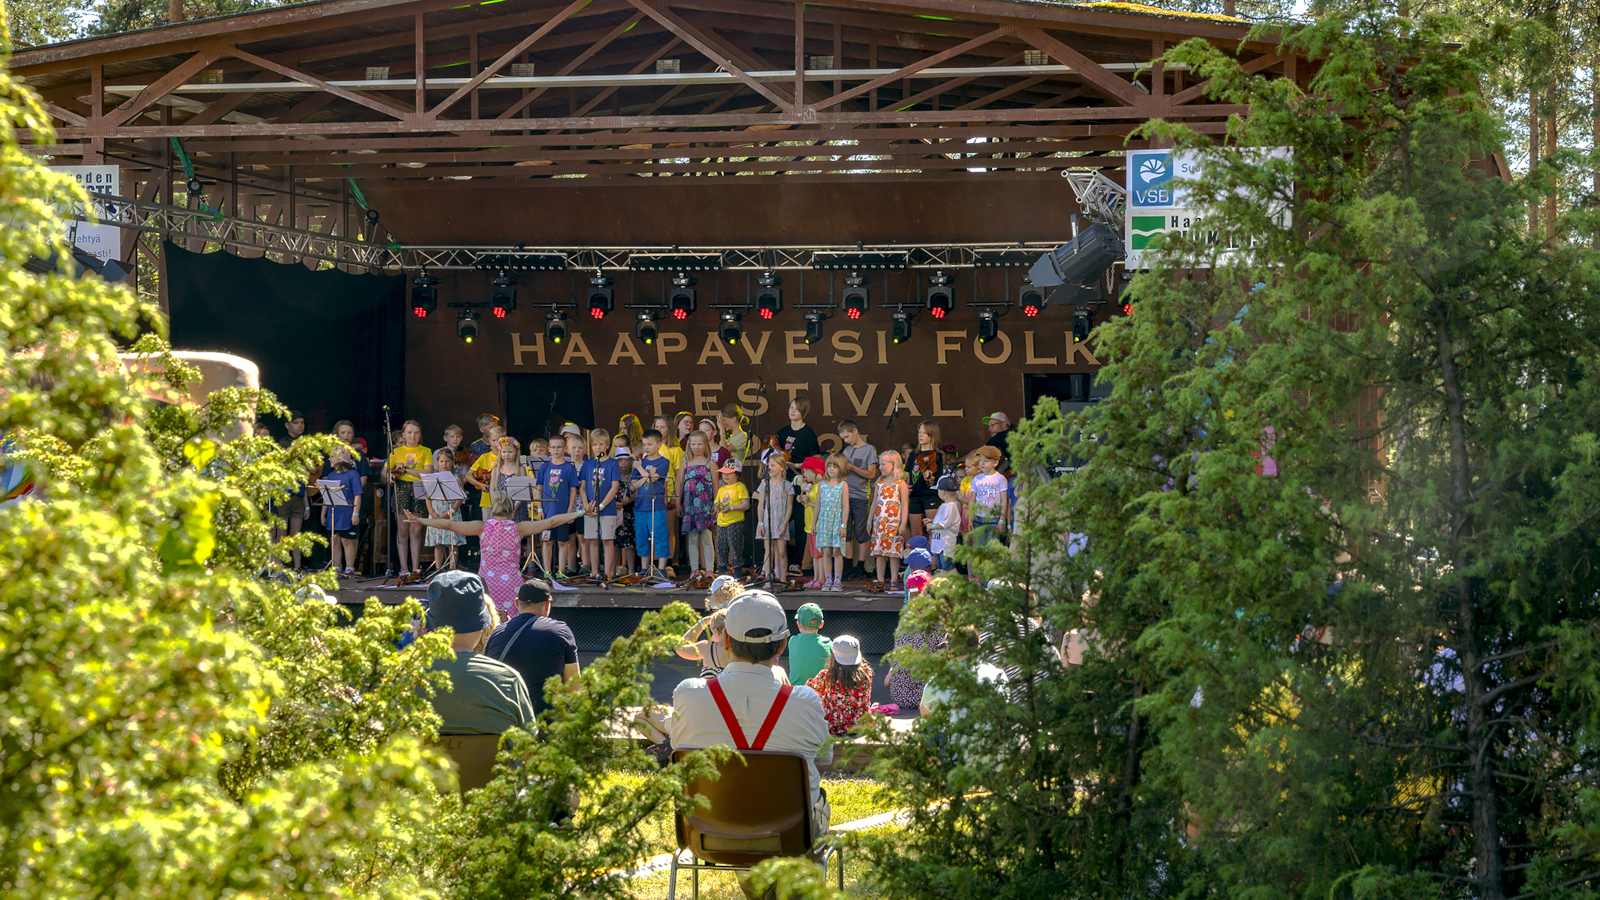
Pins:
<point x="534" y="644"/>
<point x="845" y="685"/>
<point x="736" y="707"/>
<point x="808" y="650"/>
<point x="485" y="696"/>
<point x="963" y="645"/>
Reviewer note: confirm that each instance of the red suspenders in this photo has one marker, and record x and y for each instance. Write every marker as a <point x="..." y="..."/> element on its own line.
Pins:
<point x="733" y="723"/>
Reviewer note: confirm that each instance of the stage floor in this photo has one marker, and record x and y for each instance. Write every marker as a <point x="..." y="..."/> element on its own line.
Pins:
<point x="854" y="598"/>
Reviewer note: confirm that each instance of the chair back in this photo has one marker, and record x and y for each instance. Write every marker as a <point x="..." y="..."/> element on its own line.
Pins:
<point x="473" y="755"/>
<point x="760" y="808"/>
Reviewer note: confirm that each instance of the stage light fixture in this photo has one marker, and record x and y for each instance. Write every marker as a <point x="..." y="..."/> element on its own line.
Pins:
<point x="814" y="322"/>
<point x="503" y="296"/>
<point x="1080" y="325"/>
<point x="681" y="299"/>
<point x="941" y="300"/>
<point x="555" y="326"/>
<point x="730" y="331"/>
<point x="645" y="328"/>
<point x="602" y="299"/>
<point x="424" y="295"/>
<point x="856" y="296"/>
<point x="769" y="297"/>
<point x="196" y="189"/>
<point x="371" y="215"/>
<point x="988" y="326"/>
<point x="1031" y="300"/>
<point x="901" y="329"/>
<point x="467" y="325"/>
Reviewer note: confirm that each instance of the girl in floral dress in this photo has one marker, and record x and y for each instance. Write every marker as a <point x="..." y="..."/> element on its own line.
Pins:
<point x="845" y="686"/>
<point x="443" y="541"/>
<point x="697" y="491"/>
<point x="888" y="516"/>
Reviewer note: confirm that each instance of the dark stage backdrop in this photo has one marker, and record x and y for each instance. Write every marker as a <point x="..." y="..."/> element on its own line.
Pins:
<point x="328" y="343"/>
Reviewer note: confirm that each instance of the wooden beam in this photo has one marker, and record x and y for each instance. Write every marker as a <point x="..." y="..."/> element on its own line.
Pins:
<point x="162" y="87"/>
<point x="1108" y="82"/>
<point x="1258" y="64"/>
<point x="638" y="67"/>
<point x="420" y="66"/>
<point x="509" y="55"/>
<point x="913" y="68"/>
<point x="572" y="66"/>
<point x="707" y="44"/>
<point x="374" y="102"/>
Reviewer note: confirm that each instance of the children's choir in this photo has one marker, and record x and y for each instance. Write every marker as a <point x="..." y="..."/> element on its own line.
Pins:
<point x="676" y="503"/>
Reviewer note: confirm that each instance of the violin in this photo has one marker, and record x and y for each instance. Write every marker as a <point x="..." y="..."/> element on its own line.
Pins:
<point x="465" y="456"/>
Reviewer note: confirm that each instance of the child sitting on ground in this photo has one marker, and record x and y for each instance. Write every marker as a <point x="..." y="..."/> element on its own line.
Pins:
<point x="845" y="686"/>
<point x="808" y="650"/>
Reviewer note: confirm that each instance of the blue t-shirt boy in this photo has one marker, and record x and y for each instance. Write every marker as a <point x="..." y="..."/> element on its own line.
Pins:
<point x="556" y="483"/>
<point x="598" y="476"/>
<point x="652" y="495"/>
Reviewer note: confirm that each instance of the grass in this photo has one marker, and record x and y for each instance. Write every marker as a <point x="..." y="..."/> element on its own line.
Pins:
<point x="851" y="799"/>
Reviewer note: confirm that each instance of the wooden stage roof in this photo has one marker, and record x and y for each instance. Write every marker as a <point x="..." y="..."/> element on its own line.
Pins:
<point x="315" y="93"/>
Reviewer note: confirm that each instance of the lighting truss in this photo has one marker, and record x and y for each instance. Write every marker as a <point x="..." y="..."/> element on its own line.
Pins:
<point x="179" y="224"/>
<point x="1100" y="198"/>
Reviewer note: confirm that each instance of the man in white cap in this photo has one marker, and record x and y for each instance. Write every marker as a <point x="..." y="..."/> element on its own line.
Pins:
<point x="748" y="706"/>
<point x="999" y="425"/>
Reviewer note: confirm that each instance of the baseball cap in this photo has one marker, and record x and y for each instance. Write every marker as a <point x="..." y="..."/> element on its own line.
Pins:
<point x="731" y="467"/>
<point x="846" y="650"/>
<point x="456" y="601"/>
<point x="917" y="542"/>
<point x="948" y="483"/>
<point x="622" y="453"/>
<point x="809" y="615"/>
<point x="814" y="463"/>
<point x="719" y="590"/>
<point x="918" y="581"/>
<point x="990" y="451"/>
<point x="756" y="617"/>
<point x="997" y="417"/>
<point x="920" y="560"/>
<point x="295" y="414"/>
<point x="570" y="428"/>
<point x="947" y="447"/>
<point x="533" y="592"/>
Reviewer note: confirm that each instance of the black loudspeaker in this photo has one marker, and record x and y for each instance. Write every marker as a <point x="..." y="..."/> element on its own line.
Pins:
<point x="1078" y="264"/>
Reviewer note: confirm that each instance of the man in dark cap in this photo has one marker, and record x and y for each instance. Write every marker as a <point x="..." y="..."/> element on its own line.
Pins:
<point x="486" y="696"/>
<point x="537" y="646"/>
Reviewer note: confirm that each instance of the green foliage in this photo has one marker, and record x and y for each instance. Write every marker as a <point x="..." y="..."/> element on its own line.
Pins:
<point x="36" y="22"/>
<point x="518" y="838"/>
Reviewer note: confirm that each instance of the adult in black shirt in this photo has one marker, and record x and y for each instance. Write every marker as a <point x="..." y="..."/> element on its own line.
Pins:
<point x="999" y="426"/>
<point x="534" y="644"/>
<point x="796" y="438"/>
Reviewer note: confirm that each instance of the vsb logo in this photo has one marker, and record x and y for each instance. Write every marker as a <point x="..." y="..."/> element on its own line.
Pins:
<point x="1149" y="179"/>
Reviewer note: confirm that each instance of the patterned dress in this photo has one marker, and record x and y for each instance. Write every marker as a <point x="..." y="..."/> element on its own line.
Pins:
<point x="886" y="540"/>
<point x="905" y="691"/>
<point x="501" y="564"/>
<point x="831" y="504"/>
<point x="699" y="511"/>
<point x="843" y="706"/>
<point x="776" y="496"/>
<point x="440" y="509"/>
<point x="624" y="512"/>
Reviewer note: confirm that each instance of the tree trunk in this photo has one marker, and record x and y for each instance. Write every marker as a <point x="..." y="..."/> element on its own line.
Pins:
<point x="174" y="11"/>
<point x="1549" y="151"/>
<point x="1594" y="121"/>
<point x="1533" y="156"/>
<point x="1479" y="776"/>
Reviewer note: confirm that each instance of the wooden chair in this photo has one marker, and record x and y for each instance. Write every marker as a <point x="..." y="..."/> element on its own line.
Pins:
<point x="473" y="755"/>
<point x="760" y="809"/>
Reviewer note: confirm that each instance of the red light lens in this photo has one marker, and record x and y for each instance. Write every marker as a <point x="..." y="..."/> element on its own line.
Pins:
<point x="766" y="314"/>
<point x="420" y="312"/>
<point x="852" y="313"/>
<point x="1127" y="309"/>
<point x="938" y="312"/>
<point x="680" y="314"/>
<point x="1030" y="311"/>
<point x="597" y="313"/>
<point x="499" y="312"/>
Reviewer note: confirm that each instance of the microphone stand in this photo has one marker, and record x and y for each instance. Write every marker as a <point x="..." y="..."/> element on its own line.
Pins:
<point x="388" y="499"/>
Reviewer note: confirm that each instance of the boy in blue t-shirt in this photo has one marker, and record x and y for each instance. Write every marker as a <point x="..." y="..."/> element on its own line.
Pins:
<point x="650" y="505"/>
<point x="556" y="486"/>
<point x="601" y="477"/>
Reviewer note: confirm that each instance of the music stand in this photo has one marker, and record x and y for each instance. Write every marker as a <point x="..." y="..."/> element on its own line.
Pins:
<point x="518" y="487"/>
<point x="442" y="486"/>
<point x="333" y="494"/>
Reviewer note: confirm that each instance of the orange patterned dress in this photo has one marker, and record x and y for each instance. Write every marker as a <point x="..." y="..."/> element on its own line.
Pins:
<point x="886" y="540"/>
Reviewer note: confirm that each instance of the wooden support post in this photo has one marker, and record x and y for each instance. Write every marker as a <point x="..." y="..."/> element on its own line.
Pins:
<point x="420" y="63"/>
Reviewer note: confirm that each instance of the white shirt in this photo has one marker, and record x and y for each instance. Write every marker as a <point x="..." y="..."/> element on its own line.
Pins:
<point x="750" y="689"/>
<point x="946" y="525"/>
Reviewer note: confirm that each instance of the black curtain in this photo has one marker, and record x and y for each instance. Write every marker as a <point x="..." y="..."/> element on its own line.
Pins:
<point x="329" y="344"/>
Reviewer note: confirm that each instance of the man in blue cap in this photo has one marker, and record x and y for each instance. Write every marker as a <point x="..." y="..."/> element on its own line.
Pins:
<point x="486" y="696"/>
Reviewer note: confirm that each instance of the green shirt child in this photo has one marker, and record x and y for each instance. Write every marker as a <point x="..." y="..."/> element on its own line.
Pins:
<point x="808" y="651"/>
